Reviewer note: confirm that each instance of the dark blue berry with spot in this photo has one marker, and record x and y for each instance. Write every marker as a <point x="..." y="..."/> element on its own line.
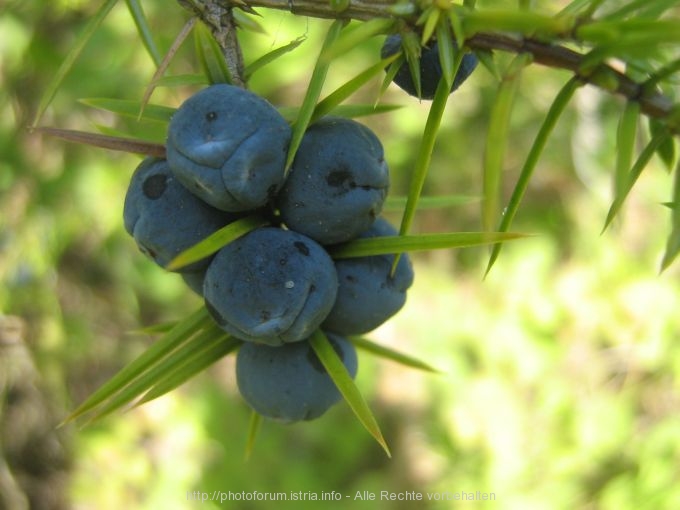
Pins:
<point x="338" y="182"/>
<point x="164" y="218"/>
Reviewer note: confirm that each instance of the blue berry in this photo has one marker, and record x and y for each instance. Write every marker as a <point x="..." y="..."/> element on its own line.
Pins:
<point x="289" y="383"/>
<point x="337" y="183"/>
<point x="367" y="294"/>
<point x="430" y="68"/>
<point x="166" y="219"/>
<point x="271" y="286"/>
<point x="194" y="281"/>
<point x="229" y="147"/>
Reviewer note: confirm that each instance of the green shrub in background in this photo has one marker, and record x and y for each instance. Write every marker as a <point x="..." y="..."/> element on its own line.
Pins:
<point x="559" y="381"/>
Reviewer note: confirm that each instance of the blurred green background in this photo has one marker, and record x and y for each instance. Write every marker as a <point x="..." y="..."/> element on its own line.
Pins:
<point x="560" y="370"/>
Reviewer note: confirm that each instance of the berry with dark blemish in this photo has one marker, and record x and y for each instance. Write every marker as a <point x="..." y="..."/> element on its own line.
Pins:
<point x="165" y="218"/>
<point x="154" y="186"/>
<point x="337" y="183"/>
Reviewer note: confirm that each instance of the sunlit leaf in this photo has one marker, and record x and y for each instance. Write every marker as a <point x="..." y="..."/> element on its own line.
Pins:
<point x="424" y="155"/>
<point x="253" y="429"/>
<point x="456" y="27"/>
<point x="580" y="8"/>
<point x="447" y="52"/>
<point x="145" y="32"/>
<point x="131" y="108"/>
<point x="215" y="241"/>
<point x="431" y="23"/>
<point x="391" y="72"/>
<point x="343" y="381"/>
<point x="633" y="175"/>
<point x="118" y="134"/>
<point x="355" y="37"/>
<point x="179" y="334"/>
<point x="181" y="80"/>
<point x="245" y="22"/>
<point x="410" y="43"/>
<point x="638" y="55"/>
<point x="330" y="102"/>
<point x="424" y="14"/>
<point x="512" y="20"/>
<point x="591" y="61"/>
<point x="666" y="150"/>
<point x="641" y="9"/>
<point x="352" y="111"/>
<point x="157" y="373"/>
<point x="106" y="142"/>
<point x="488" y="60"/>
<point x="313" y="92"/>
<point x="210" y="56"/>
<point x="162" y="327"/>
<point x="197" y="363"/>
<point x="673" y="241"/>
<point x="271" y="56"/>
<point x="625" y="144"/>
<point x="554" y="113"/>
<point x="365" y="247"/>
<point x="655" y="9"/>
<point x="660" y="75"/>
<point x="497" y="137"/>
<point x="639" y="32"/>
<point x="72" y="56"/>
<point x="390" y="354"/>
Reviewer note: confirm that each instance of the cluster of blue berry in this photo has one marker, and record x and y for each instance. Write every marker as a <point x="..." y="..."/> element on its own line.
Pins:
<point x="275" y="286"/>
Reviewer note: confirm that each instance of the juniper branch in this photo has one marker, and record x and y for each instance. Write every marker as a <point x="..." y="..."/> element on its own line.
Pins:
<point x="652" y="102"/>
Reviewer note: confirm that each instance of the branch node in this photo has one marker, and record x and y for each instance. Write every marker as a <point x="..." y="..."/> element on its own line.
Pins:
<point x="218" y="17"/>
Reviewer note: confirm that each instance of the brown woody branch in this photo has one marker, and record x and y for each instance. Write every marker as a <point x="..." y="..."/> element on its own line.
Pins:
<point x="653" y="104"/>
